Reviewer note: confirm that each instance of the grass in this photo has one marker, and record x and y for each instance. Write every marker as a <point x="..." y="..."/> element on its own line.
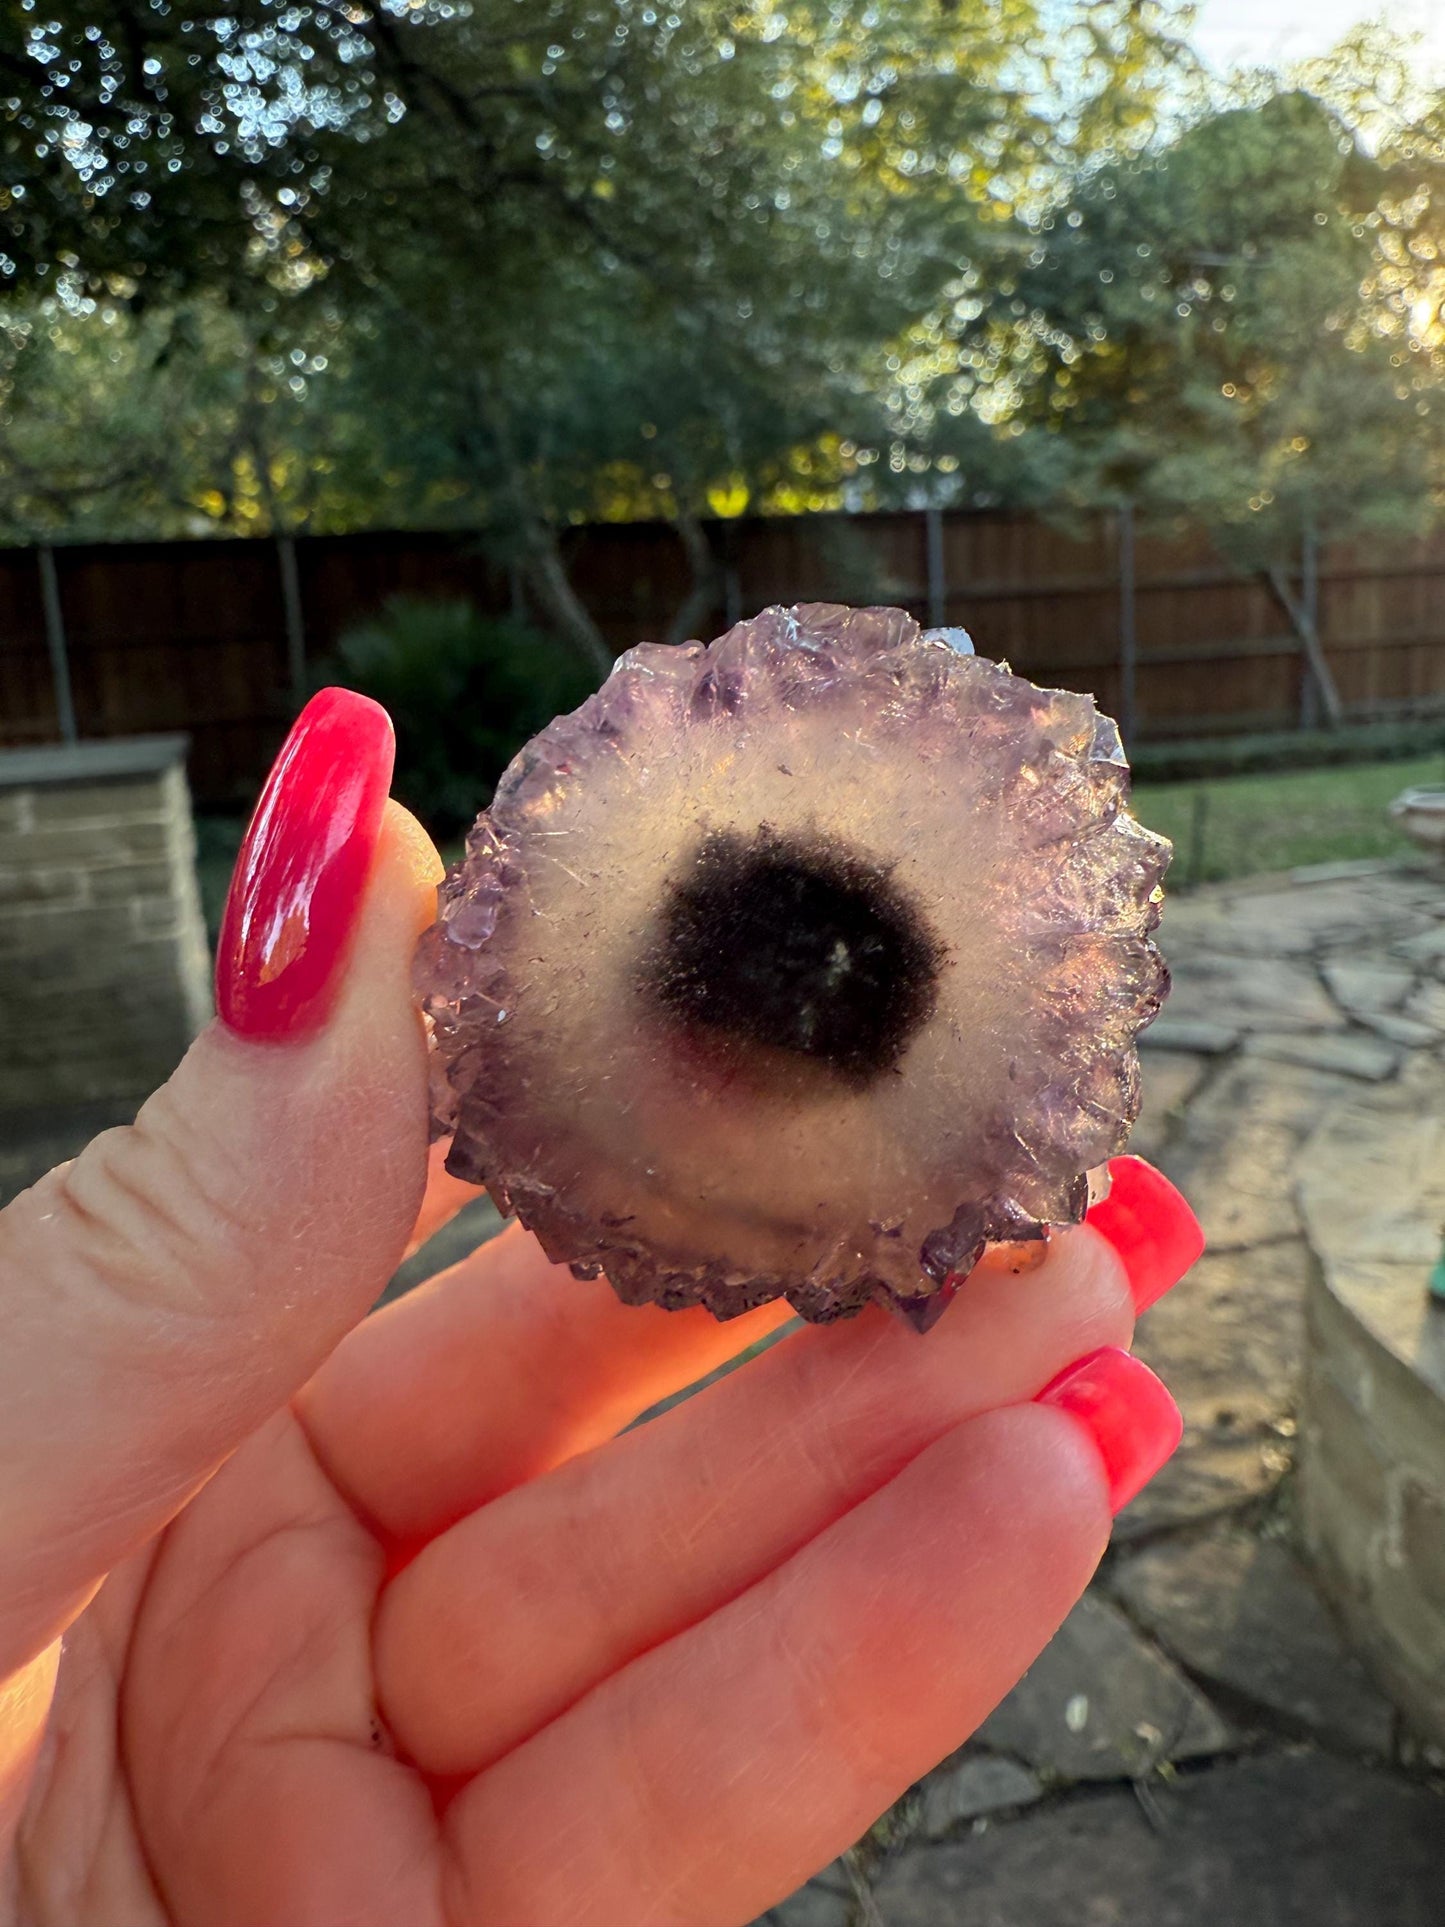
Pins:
<point x="1236" y="826"/>
<point x="1228" y="826"/>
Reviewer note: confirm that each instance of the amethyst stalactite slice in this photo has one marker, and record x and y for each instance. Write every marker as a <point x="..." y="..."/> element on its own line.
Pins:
<point x="801" y="965"/>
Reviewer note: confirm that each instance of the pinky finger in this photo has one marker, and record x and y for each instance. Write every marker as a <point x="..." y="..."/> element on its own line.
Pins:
<point x="713" y="1775"/>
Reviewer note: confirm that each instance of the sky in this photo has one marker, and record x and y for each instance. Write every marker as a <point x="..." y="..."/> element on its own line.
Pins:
<point x="1251" y="32"/>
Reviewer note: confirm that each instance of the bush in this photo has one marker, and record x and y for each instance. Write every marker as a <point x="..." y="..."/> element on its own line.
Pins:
<point x="464" y="690"/>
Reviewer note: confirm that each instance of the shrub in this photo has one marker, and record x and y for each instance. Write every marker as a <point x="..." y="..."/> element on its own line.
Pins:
<point x="464" y="690"/>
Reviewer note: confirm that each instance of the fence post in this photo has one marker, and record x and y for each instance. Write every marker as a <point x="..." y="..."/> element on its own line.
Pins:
<point x="1198" y="821"/>
<point x="55" y="643"/>
<point x="937" y="584"/>
<point x="1128" y="626"/>
<point x="295" y="618"/>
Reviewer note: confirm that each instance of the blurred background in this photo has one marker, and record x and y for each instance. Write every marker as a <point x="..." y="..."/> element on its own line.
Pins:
<point x="447" y="347"/>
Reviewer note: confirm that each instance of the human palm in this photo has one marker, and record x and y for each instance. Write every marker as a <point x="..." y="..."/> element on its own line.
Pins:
<point x="690" y="1664"/>
<point x="403" y="1624"/>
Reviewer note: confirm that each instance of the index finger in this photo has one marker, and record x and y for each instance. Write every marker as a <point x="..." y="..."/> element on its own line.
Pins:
<point x="492" y="1373"/>
<point x="519" y="1610"/>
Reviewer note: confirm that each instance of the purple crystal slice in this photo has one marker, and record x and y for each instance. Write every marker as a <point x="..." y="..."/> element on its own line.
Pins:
<point x="801" y="965"/>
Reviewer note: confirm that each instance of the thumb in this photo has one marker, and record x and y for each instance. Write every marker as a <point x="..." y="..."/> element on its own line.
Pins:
<point x="167" y="1292"/>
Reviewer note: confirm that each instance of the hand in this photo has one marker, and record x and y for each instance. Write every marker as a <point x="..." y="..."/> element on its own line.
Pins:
<point x="392" y="1628"/>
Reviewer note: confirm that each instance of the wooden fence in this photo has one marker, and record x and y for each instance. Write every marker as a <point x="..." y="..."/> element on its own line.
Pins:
<point x="216" y="637"/>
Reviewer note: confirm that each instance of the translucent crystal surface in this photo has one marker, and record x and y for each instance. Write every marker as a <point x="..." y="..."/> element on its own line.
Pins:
<point x="802" y="965"/>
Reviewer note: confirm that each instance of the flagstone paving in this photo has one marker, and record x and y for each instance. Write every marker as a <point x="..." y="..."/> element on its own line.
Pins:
<point x="1199" y="1744"/>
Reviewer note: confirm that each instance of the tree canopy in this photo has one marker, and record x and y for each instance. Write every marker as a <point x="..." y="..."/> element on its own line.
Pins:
<point x="516" y="263"/>
<point x="1242" y="324"/>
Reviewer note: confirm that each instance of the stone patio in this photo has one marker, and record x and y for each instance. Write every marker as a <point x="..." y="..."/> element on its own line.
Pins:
<point x="1200" y="1744"/>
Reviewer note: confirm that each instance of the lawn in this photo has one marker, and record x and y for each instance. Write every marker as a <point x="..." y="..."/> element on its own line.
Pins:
<point x="1238" y="826"/>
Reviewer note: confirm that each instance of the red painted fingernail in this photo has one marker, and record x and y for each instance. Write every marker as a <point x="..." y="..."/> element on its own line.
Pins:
<point x="303" y="867"/>
<point x="1150" y="1226"/>
<point x="1127" y="1412"/>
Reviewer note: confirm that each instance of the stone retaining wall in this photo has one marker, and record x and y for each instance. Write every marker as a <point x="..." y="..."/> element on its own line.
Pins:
<point x="104" y="973"/>
<point x="1372" y="1435"/>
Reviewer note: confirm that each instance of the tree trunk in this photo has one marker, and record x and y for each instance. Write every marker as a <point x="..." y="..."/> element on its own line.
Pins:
<point x="554" y="595"/>
<point x="1306" y="628"/>
<point x="706" y="592"/>
<point x="541" y="559"/>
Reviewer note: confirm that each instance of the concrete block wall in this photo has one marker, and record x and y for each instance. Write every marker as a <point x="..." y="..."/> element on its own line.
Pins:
<point x="104" y="970"/>
<point x="1372" y="1487"/>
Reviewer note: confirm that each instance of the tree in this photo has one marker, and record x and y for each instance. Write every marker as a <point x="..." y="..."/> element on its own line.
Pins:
<point x="607" y="255"/>
<point x="182" y="418"/>
<point x="1217" y="330"/>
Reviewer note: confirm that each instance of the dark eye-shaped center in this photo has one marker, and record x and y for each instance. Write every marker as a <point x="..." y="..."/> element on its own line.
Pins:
<point x="788" y="945"/>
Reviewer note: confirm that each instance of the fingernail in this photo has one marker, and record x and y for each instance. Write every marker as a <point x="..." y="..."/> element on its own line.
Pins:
<point x="1126" y="1411"/>
<point x="1150" y="1226"/>
<point x="302" y="869"/>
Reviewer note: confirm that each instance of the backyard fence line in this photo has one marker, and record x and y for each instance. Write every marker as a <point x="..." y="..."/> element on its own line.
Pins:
<point x="217" y="637"/>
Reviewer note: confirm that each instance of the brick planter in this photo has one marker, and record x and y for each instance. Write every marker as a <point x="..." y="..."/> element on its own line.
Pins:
<point x="104" y="975"/>
<point x="1372" y="1435"/>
